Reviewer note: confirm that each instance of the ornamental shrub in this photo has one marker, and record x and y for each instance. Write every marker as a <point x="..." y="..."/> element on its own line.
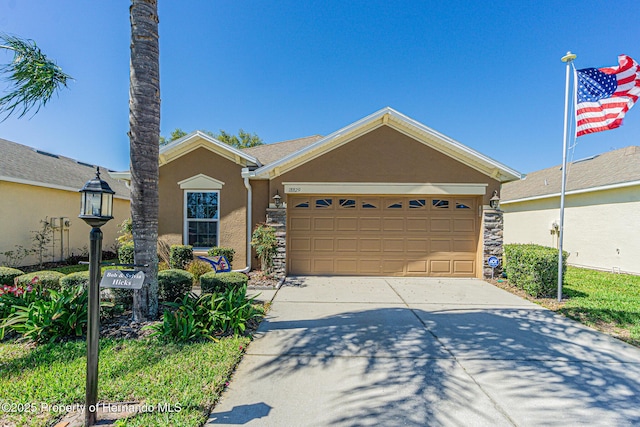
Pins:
<point x="206" y="317"/>
<point x="81" y="278"/>
<point x="180" y="256"/>
<point x="7" y="274"/>
<point x="47" y="280"/>
<point x="221" y="282"/>
<point x="174" y="284"/>
<point x="534" y="268"/>
<point x="125" y="253"/>
<point x="228" y="253"/>
<point x="198" y="268"/>
<point x="265" y="243"/>
<point x="61" y="314"/>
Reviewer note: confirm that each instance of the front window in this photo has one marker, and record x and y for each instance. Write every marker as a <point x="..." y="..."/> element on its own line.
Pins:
<point x="201" y="218"/>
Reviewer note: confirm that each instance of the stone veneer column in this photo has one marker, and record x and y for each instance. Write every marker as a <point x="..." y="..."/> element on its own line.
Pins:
<point x="277" y="218"/>
<point x="493" y="226"/>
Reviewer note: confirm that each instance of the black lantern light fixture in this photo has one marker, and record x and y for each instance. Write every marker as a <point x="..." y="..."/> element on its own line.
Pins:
<point x="277" y="200"/>
<point x="494" y="202"/>
<point x="96" y="209"/>
<point x="97" y="202"/>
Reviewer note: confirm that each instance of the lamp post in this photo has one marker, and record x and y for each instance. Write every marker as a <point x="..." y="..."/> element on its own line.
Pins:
<point x="494" y="202"/>
<point x="96" y="210"/>
<point x="277" y="200"/>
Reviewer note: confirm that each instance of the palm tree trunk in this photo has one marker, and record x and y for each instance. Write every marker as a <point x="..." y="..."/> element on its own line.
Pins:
<point x="144" y="134"/>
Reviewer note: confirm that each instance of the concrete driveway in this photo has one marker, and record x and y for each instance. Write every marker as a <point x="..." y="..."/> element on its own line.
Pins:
<point x="347" y="351"/>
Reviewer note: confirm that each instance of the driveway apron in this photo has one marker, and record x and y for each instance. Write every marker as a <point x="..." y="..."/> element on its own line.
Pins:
<point x="362" y="351"/>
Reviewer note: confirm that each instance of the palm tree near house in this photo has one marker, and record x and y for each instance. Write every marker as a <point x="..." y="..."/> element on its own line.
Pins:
<point x="33" y="78"/>
<point x="144" y="134"/>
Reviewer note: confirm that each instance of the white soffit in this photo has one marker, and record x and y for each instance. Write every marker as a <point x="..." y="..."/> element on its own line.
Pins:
<point x="200" y="182"/>
<point x="389" y="117"/>
<point x="384" y="188"/>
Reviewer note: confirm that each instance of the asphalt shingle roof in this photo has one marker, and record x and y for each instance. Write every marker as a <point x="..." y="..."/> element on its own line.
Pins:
<point x="613" y="167"/>
<point x="19" y="162"/>
<point x="269" y="153"/>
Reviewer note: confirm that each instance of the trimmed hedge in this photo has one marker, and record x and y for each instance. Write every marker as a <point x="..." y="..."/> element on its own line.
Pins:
<point x="80" y="278"/>
<point x="46" y="280"/>
<point x="180" y="256"/>
<point x="534" y="268"/>
<point x="228" y="253"/>
<point x="8" y="274"/>
<point x="198" y="268"/>
<point x="221" y="282"/>
<point x="125" y="253"/>
<point x="174" y="284"/>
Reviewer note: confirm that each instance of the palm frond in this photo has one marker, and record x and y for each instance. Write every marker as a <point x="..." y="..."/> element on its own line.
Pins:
<point x="33" y="78"/>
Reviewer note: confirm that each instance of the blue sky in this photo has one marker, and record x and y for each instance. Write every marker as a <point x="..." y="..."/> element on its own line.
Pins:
<point x="487" y="74"/>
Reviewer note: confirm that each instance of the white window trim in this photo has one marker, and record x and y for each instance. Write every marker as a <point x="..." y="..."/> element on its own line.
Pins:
<point x="185" y="226"/>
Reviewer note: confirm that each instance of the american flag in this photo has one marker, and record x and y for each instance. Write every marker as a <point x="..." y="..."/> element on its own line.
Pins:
<point x="604" y="95"/>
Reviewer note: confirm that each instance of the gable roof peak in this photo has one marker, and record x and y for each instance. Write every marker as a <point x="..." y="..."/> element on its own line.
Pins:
<point x="197" y="139"/>
<point x="387" y="116"/>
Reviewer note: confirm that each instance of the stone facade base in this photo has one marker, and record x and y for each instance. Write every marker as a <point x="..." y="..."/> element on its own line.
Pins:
<point x="493" y="226"/>
<point x="277" y="218"/>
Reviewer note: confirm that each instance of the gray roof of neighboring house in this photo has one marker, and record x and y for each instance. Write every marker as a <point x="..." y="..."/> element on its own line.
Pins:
<point x="611" y="168"/>
<point x="27" y="165"/>
<point x="269" y="153"/>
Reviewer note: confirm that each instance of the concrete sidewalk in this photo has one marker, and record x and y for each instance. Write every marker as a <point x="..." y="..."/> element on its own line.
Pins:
<point x="405" y="351"/>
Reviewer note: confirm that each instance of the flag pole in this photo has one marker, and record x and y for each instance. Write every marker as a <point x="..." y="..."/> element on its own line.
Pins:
<point x="568" y="58"/>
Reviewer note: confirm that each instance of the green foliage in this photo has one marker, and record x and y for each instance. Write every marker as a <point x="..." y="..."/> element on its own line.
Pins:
<point x="174" y="284"/>
<point x="265" y="243"/>
<point x="198" y="268"/>
<point x="206" y="317"/>
<point x="60" y="314"/>
<point x="221" y="282"/>
<point x="604" y="300"/>
<point x="189" y="375"/>
<point x="228" y="253"/>
<point x="533" y="268"/>
<point x="125" y="234"/>
<point x="122" y="298"/>
<point x="14" y="257"/>
<point x="125" y="253"/>
<point x="47" y="280"/>
<point x="12" y="297"/>
<point x="42" y="239"/>
<point x="176" y="134"/>
<point x="243" y="140"/>
<point x="33" y="78"/>
<point x="80" y="278"/>
<point x="180" y="256"/>
<point x="7" y="274"/>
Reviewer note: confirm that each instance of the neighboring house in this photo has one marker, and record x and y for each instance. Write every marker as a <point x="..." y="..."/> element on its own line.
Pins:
<point x="385" y="195"/>
<point x="602" y="210"/>
<point x="37" y="186"/>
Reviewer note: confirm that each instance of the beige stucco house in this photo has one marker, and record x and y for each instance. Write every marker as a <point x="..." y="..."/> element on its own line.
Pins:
<point x="385" y="195"/>
<point x="602" y="210"/>
<point x="36" y="185"/>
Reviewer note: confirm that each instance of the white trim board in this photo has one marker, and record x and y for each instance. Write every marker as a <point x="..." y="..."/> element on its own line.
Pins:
<point x="384" y="188"/>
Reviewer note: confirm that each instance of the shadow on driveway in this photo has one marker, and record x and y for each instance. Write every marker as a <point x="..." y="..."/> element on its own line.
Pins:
<point x="382" y="366"/>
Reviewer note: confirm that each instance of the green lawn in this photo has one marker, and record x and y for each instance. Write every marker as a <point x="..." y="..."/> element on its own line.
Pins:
<point x="187" y="376"/>
<point x="606" y="301"/>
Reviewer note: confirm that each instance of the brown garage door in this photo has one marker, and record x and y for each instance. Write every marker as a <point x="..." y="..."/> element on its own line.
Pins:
<point x="382" y="235"/>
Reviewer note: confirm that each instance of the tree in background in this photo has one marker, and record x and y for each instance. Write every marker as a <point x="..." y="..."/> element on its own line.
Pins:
<point x="242" y="140"/>
<point x="33" y="78"/>
<point x="144" y="134"/>
<point x="176" y="134"/>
